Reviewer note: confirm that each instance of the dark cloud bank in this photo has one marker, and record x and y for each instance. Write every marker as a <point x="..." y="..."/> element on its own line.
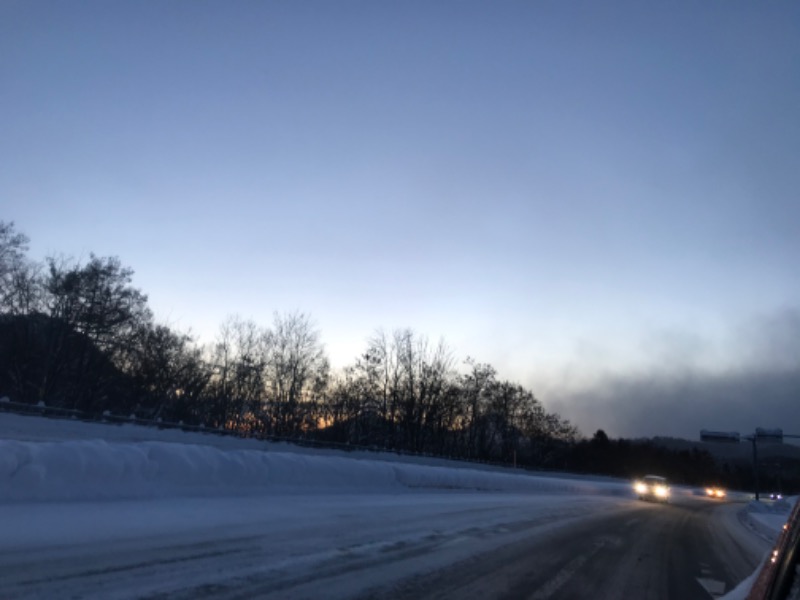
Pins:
<point x="763" y="390"/>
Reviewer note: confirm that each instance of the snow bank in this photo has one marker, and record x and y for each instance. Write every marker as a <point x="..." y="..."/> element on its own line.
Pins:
<point x="97" y="469"/>
<point x="741" y="591"/>
<point x="766" y="520"/>
<point x="46" y="459"/>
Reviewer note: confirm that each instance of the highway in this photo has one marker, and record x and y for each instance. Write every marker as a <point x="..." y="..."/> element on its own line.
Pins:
<point x="429" y="544"/>
<point x="647" y="552"/>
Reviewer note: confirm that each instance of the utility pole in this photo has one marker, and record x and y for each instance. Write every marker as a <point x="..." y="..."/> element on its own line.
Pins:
<point x="755" y="465"/>
<point x="765" y="436"/>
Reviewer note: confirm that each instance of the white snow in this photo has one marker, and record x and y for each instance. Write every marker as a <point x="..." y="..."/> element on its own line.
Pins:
<point x="134" y="462"/>
<point x="66" y="482"/>
<point x="766" y="519"/>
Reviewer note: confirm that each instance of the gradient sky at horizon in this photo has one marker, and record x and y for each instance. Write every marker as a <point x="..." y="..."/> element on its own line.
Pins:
<point x="573" y="192"/>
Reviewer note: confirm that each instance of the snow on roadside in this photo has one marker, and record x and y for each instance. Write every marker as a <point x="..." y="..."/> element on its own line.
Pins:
<point x="187" y="474"/>
<point x="766" y="520"/>
<point x="97" y="469"/>
<point x="49" y="460"/>
<point x="33" y="428"/>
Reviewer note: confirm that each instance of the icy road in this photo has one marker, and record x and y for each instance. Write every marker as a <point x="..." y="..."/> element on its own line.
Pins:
<point x="123" y="517"/>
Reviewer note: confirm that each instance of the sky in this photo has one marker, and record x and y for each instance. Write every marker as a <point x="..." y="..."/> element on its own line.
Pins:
<point x="598" y="199"/>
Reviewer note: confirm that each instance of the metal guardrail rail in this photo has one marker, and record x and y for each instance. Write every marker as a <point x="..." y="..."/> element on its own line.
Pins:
<point x="41" y="409"/>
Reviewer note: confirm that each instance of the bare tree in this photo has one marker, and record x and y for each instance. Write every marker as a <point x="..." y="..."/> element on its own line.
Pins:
<point x="380" y="373"/>
<point x="406" y="383"/>
<point x="97" y="300"/>
<point x="251" y="345"/>
<point x="297" y="373"/>
<point x="20" y="283"/>
<point x="239" y="358"/>
<point x="13" y="246"/>
<point x="476" y="387"/>
<point x="97" y="315"/>
<point x="170" y="375"/>
<point x="345" y="415"/>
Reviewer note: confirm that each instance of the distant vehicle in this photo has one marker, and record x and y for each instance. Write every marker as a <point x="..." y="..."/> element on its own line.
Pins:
<point x="775" y="496"/>
<point x="652" y="487"/>
<point x="715" y="492"/>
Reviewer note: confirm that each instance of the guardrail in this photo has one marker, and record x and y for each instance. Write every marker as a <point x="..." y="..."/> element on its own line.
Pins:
<point x="41" y="409"/>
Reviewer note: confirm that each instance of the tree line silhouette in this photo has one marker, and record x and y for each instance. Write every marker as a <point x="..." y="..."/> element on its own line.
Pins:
<point x="81" y="336"/>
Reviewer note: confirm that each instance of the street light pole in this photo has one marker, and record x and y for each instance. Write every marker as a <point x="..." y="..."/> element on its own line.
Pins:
<point x="755" y="465"/>
<point x="773" y="436"/>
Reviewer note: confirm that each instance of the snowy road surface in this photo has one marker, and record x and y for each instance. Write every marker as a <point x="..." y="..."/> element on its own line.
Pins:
<point x="413" y="545"/>
<point x="123" y="516"/>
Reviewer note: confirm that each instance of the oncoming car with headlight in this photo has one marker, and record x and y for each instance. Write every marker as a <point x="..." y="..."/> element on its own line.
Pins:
<point x="715" y="492"/>
<point x="652" y="487"/>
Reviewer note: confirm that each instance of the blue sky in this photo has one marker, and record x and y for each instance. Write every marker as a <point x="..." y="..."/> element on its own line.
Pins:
<point x="574" y="192"/>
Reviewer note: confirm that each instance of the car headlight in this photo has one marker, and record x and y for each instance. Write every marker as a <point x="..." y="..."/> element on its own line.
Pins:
<point x="661" y="491"/>
<point x="640" y="487"/>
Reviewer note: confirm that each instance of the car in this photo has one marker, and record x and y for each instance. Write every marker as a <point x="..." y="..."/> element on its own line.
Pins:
<point x="652" y="487"/>
<point x="715" y="492"/>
